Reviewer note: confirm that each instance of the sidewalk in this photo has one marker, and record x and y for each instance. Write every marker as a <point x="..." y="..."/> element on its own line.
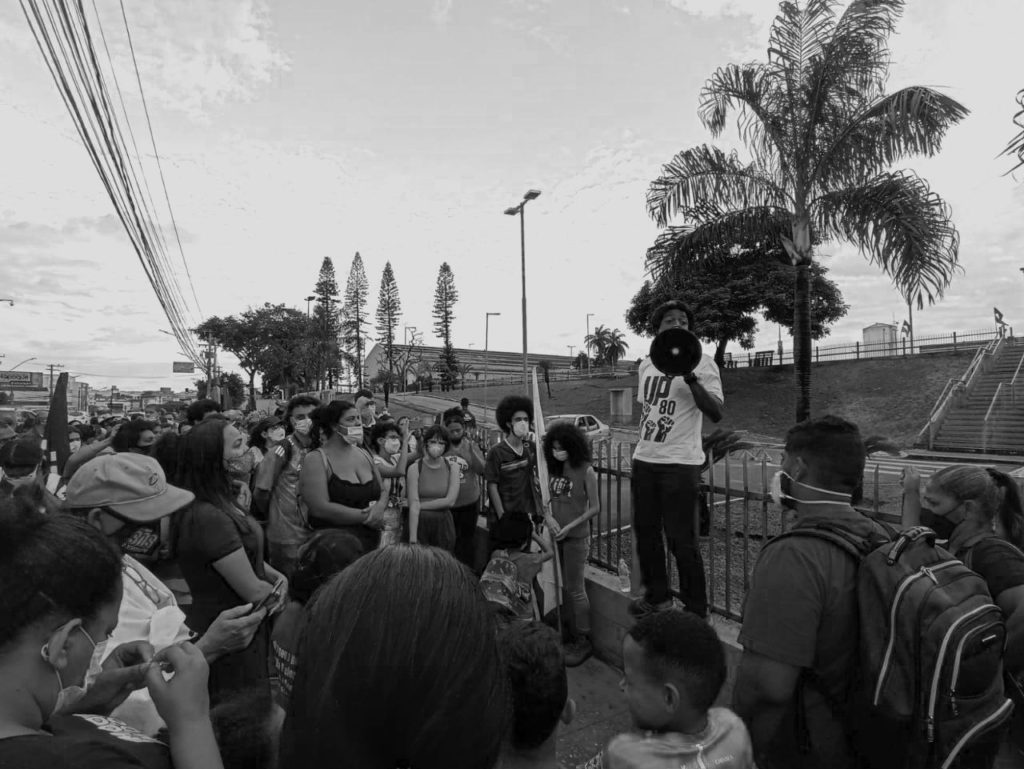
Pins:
<point x="601" y="712"/>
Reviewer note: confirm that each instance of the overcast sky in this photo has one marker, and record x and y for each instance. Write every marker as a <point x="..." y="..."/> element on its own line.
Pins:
<point x="293" y="130"/>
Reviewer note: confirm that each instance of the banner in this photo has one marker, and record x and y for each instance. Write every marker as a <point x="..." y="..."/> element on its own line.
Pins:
<point x="183" y="367"/>
<point x="57" y="425"/>
<point x="550" y="600"/>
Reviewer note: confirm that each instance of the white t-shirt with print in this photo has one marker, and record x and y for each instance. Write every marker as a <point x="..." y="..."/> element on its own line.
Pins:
<point x="670" y="422"/>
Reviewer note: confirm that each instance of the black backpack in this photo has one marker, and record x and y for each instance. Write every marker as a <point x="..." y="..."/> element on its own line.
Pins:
<point x="929" y="687"/>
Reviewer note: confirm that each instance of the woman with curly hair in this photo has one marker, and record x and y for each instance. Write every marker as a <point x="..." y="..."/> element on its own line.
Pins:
<point x="339" y="480"/>
<point x="574" y="502"/>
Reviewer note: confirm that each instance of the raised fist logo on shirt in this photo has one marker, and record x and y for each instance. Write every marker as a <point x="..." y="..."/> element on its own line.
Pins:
<point x="560" y="487"/>
<point x="461" y="463"/>
<point x="664" y="428"/>
<point x="645" y="412"/>
<point x="649" y="428"/>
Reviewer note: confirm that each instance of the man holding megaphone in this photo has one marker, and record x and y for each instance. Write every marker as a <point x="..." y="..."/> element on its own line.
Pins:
<point x="678" y="387"/>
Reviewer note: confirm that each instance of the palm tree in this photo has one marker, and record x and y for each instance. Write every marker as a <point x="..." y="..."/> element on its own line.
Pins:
<point x="597" y="343"/>
<point x="1016" y="145"/>
<point x="615" y="347"/>
<point x="823" y="136"/>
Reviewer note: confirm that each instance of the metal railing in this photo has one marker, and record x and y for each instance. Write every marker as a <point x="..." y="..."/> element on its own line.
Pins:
<point x="1017" y="380"/>
<point x="741" y="518"/>
<point x="988" y="424"/>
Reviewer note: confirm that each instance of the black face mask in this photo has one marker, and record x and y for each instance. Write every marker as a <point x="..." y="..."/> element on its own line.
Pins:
<point x="942" y="526"/>
<point x="456" y="442"/>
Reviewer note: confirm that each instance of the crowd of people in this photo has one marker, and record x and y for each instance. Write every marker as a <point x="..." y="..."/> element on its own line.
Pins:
<point x="366" y="593"/>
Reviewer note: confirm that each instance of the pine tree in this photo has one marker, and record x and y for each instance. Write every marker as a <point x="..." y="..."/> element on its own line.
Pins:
<point x="389" y="311"/>
<point x="357" y="290"/>
<point x="326" y="292"/>
<point x="445" y="297"/>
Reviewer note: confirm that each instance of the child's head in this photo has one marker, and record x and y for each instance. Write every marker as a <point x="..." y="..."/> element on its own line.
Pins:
<point x="674" y="669"/>
<point x="539" y="687"/>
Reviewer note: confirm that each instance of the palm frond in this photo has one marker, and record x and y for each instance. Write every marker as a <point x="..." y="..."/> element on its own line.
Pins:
<point x="707" y="174"/>
<point x="750" y="90"/>
<point x="911" y="121"/>
<point x="714" y="233"/>
<point x="900" y="225"/>
<point x="853" y="66"/>
<point x="798" y="35"/>
<point x="1016" y="145"/>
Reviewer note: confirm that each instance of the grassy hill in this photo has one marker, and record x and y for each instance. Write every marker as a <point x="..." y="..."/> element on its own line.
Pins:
<point x="891" y="397"/>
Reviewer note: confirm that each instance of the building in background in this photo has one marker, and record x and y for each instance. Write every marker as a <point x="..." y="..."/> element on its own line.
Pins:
<point x="879" y="340"/>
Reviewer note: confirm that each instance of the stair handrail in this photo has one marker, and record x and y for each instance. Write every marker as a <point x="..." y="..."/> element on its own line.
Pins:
<point x="942" y="397"/>
<point x="1016" y="378"/>
<point x="955" y="387"/>
<point x="980" y="364"/>
<point x="985" y="427"/>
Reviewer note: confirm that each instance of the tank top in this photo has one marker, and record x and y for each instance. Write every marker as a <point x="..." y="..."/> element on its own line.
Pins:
<point x="433" y="481"/>
<point x="351" y="494"/>
<point x="569" y="497"/>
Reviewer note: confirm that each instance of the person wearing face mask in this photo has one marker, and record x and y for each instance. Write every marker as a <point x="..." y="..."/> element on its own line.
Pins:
<point x="22" y="476"/>
<point x="464" y="453"/>
<point x="74" y="441"/>
<point x="62" y="589"/>
<point x="510" y="474"/>
<point x="341" y="484"/>
<point x="220" y="551"/>
<point x="118" y="495"/>
<point x="275" y="497"/>
<point x="391" y="454"/>
<point x="574" y="503"/>
<point x="264" y="435"/>
<point x="979" y="511"/>
<point x="800" y="618"/>
<point x="432" y="484"/>
<point x="367" y="408"/>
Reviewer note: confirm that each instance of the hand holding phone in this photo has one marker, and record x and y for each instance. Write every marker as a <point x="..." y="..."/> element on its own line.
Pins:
<point x="270" y="599"/>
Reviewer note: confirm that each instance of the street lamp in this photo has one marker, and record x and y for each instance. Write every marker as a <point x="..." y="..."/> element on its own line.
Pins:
<point x="521" y="211"/>
<point x="487" y="329"/>
<point x="308" y="300"/>
<point x="586" y="340"/>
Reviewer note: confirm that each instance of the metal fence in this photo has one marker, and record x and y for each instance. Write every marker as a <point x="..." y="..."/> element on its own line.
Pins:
<point x="741" y="517"/>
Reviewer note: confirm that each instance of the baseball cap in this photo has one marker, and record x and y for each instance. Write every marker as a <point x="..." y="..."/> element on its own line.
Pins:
<point x="132" y="485"/>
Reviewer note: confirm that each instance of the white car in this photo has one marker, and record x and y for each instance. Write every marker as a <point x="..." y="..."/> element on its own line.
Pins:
<point x="596" y="431"/>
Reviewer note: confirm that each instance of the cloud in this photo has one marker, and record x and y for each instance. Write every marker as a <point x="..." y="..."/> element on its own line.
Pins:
<point x="441" y="11"/>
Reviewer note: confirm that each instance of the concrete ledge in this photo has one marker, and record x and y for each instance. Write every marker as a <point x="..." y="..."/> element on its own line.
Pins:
<point x="610" y="620"/>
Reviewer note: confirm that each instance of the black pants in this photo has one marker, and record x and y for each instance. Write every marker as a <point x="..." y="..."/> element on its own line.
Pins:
<point x="464" y="517"/>
<point x="665" y="497"/>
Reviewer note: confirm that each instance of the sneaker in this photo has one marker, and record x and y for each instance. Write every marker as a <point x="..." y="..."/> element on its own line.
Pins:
<point x="578" y="651"/>
<point x="641" y="607"/>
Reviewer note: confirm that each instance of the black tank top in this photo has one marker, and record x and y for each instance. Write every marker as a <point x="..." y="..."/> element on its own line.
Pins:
<point x="351" y="494"/>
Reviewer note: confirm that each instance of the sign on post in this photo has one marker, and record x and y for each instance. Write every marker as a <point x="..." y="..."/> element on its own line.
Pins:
<point x="183" y="367"/>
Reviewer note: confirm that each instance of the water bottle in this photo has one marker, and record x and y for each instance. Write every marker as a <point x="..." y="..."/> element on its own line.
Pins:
<point x="624" y="584"/>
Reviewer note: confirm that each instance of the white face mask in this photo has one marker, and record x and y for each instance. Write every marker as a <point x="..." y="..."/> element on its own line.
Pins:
<point x="74" y="446"/>
<point x="353" y="435"/>
<point x="303" y="425"/>
<point x="66" y="694"/>
<point x="561" y="456"/>
<point x="781" y="496"/>
<point x="521" y="429"/>
<point x="434" y="450"/>
<point x="392" y="446"/>
<point x="276" y="435"/>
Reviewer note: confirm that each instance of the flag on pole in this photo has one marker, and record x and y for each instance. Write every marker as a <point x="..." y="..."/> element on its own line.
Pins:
<point x="999" y="317"/>
<point x="548" y="578"/>
<point x="56" y="433"/>
<point x="906" y="329"/>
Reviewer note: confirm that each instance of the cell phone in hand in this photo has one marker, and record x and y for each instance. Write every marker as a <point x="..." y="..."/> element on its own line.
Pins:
<point x="269" y="599"/>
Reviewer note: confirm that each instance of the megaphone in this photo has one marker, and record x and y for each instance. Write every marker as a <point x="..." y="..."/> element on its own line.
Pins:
<point x="676" y="352"/>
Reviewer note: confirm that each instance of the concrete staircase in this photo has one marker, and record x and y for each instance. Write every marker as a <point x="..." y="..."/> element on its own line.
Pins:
<point x="985" y="411"/>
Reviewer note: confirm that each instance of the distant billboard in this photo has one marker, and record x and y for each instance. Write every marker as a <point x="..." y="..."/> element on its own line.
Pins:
<point x="183" y="367"/>
<point x="21" y="378"/>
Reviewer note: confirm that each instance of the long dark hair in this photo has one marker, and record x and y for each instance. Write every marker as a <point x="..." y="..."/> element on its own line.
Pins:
<point x="399" y="668"/>
<point x="572" y="440"/>
<point x="325" y="419"/>
<point x="995" y="492"/>
<point x="201" y="462"/>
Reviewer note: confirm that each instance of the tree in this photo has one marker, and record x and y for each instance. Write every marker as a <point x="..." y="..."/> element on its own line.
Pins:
<point x="327" y="322"/>
<point x="272" y="340"/>
<point x="596" y="343"/>
<point x="823" y="136"/>
<point x="464" y="370"/>
<point x="445" y="297"/>
<point x="615" y="347"/>
<point x="1016" y="145"/>
<point x="726" y="293"/>
<point x="389" y="313"/>
<point x="545" y="367"/>
<point x="230" y="382"/>
<point x="354" y="316"/>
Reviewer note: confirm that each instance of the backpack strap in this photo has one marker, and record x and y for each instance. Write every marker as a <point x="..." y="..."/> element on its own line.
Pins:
<point x="853" y="546"/>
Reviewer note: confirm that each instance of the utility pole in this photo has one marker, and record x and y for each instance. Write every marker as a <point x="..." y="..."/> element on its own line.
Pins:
<point x="53" y="366"/>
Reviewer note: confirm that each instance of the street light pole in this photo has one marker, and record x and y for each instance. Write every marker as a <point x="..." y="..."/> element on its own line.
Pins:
<point x="487" y="330"/>
<point x="586" y="341"/>
<point x="520" y="210"/>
